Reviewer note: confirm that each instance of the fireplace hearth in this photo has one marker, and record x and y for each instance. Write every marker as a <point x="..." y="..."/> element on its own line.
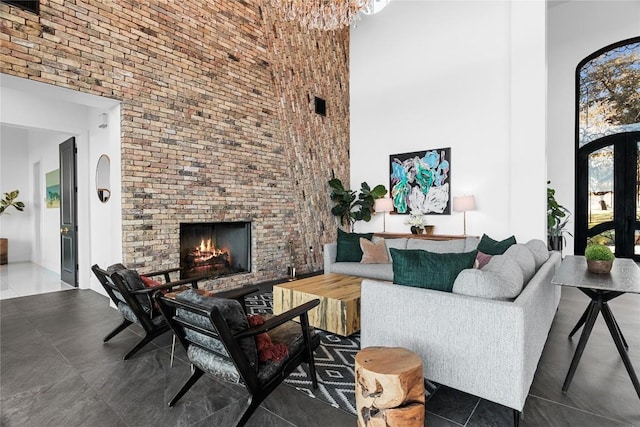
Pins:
<point x="214" y="249"/>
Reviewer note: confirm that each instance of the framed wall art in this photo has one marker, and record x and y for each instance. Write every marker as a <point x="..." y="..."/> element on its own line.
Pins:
<point x="52" y="180"/>
<point x="420" y="182"/>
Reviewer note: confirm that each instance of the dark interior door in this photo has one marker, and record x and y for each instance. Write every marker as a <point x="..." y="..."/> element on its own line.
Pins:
<point x="68" y="213"/>
<point x="608" y="194"/>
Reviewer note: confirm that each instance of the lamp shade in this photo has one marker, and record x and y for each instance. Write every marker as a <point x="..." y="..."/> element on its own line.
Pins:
<point x="464" y="203"/>
<point x="383" y="205"/>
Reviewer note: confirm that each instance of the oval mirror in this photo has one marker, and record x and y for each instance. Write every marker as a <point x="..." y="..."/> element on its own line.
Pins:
<point x="103" y="178"/>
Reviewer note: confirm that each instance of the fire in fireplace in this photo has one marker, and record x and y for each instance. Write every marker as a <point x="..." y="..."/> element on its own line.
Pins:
<point x="214" y="249"/>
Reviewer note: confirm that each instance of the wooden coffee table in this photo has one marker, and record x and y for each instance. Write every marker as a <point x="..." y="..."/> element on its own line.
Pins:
<point x="339" y="294"/>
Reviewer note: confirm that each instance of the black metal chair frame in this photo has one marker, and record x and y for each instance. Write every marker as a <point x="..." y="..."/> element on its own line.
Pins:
<point x="257" y="391"/>
<point x="113" y="283"/>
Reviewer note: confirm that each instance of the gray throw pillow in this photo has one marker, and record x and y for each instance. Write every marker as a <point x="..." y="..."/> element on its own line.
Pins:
<point x="523" y="256"/>
<point x="539" y="250"/>
<point x="500" y="279"/>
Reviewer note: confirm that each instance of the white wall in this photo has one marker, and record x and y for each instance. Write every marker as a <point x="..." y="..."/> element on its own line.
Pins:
<point x="52" y="114"/>
<point x="15" y="225"/>
<point x="469" y="75"/>
<point x="577" y="29"/>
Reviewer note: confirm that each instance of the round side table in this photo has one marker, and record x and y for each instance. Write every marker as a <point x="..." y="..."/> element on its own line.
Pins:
<point x="389" y="387"/>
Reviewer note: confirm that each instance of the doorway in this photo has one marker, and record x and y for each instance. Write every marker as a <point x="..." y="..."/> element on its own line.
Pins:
<point x="68" y="213"/>
<point x="607" y="147"/>
<point x="608" y="194"/>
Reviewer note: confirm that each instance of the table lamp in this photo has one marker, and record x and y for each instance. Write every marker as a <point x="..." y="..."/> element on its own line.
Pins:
<point x="464" y="204"/>
<point x="383" y="205"/>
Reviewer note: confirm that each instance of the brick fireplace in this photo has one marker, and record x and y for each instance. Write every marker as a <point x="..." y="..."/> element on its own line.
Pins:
<point x="215" y="249"/>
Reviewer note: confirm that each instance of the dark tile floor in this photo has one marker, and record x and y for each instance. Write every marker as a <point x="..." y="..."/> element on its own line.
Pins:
<point x="55" y="371"/>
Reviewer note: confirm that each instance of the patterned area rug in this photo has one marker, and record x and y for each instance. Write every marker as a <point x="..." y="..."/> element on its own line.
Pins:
<point x="335" y="360"/>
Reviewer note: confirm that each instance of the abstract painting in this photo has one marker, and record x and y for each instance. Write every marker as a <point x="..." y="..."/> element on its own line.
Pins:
<point x="420" y="182"/>
<point x="53" y="188"/>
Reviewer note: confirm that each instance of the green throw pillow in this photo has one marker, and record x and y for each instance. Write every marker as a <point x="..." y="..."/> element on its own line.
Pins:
<point x="422" y="269"/>
<point x="493" y="247"/>
<point x="349" y="249"/>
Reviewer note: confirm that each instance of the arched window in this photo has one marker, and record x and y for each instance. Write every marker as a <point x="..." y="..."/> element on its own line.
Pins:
<point x="607" y="146"/>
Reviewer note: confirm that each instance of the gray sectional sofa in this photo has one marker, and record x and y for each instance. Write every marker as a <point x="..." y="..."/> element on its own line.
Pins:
<point x="485" y="337"/>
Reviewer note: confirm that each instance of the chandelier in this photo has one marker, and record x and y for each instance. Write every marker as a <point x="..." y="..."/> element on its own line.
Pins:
<point x="326" y="14"/>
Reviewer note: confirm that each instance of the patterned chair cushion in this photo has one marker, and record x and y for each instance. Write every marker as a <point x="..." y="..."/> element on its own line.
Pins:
<point x="231" y="311"/>
<point x="128" y="314"/>
<point x="213" y="364"/>
<point x="133" y="282"/>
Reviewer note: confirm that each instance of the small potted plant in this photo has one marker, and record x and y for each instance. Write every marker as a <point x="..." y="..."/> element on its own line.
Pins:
<point x="599" y="258"/>
<point x="418" y="223"/>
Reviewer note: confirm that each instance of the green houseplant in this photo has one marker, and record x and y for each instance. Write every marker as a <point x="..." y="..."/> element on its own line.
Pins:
<point x="351" y="206"/>
<point x="557" y="219"/>
<point x="599" y="258"/>
<point x="10" y="199"/>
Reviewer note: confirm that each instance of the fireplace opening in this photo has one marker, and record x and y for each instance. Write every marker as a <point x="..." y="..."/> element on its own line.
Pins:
<point x="214" y="249"/>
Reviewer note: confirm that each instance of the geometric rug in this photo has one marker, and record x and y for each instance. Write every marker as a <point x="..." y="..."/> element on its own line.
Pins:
<point x="335" y="361"/>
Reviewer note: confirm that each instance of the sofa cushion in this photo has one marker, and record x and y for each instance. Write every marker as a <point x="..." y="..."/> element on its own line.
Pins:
<point x="372" y="271"/>
<point x="423" y="269"/>
<point x="523" y="256"/>
<point x="500" y="279"/>
<point x="471" y="243"/>
<point x="437" y="246"/>
<point x="400" y="243"/>
<point x="348" y="249"/>
<point x="373" y="253"/>
<point x="539" y="251"/>
<point x="494" y="247"/>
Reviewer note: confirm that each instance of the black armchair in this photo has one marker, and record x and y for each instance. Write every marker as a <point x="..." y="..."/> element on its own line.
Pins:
<point x="134" y="300"/>
<point x="218" y="340"/>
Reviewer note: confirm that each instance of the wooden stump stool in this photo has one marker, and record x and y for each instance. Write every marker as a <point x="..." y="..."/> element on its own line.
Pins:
<point x="389" y="387"/>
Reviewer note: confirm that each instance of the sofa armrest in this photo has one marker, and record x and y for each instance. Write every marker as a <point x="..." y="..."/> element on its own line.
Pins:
<point x="330" y="253"/>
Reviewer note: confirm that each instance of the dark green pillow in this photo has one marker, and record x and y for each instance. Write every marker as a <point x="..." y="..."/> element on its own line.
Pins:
<point x="423" y="269"/>
<point x="493" y="247"/>
<point x="349" y="249"/>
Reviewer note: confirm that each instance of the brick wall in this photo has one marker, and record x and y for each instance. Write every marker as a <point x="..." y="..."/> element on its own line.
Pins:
<point x="217" y="116"/>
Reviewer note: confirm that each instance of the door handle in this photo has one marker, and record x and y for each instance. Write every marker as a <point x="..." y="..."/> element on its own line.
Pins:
<point x="64" y="230"/>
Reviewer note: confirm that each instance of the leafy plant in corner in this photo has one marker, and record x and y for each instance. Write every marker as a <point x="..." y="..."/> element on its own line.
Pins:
<point x="10" y="200"/>
<point x="351" y="206"/>
<point x="557" y="219"/>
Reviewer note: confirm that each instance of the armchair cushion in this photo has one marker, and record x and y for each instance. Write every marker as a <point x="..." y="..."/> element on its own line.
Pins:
<point x="133" y="282"/>
<point x="232" y="312"/>
<point x="290" y="335"/>
<point x="429" y="270"/>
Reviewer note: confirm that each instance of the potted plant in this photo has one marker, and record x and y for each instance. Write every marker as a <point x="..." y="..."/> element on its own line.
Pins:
<point x="10" y="199"/>
<point x="599" y="258"/>
<point x="557" y="219"/>
<point x="350" y="206"/>
<point x="418" y="223"/>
